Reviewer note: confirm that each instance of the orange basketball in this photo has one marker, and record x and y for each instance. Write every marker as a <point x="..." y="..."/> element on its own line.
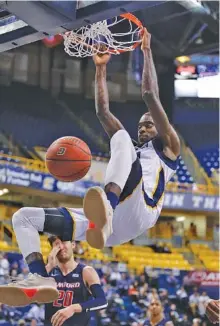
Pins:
<point x="68" y="159"/>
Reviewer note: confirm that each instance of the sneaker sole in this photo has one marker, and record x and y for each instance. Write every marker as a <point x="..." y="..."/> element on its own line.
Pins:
<point x="94" y="208"/>
<point x="13" y="297"/>
<point x="95" y="238"/>
<point x="45" y="295"/>
<point x="16" y="297"/>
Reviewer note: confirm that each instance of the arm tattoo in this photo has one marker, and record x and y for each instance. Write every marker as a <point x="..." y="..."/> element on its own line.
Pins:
<point x="109" y="122"/>
<point x="101" y="91"/>
<point x="150" y="94"/>
<point x="149" y="76"/>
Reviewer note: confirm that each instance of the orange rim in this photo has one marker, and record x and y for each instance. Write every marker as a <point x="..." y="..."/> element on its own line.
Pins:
<point x="139" y="24"/>
<point x="134" y="20"/>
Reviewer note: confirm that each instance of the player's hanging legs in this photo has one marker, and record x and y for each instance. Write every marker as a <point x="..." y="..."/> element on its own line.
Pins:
<point x="99" y="204"/>
<point x="27" y="223"/>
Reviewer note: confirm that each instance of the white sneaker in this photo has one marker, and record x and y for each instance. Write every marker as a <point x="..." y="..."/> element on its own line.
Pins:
<point x="34" y="288"/>
<point x="98" y="210"/>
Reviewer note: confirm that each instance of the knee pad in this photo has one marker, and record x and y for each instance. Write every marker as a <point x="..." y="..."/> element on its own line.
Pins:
<point x="121" y="141"/>
<point x="121" y="137"/>
<point x="59" y="222"/>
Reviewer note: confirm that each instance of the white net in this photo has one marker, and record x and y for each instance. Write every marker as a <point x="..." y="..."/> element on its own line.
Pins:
<point x="103" y="37"/>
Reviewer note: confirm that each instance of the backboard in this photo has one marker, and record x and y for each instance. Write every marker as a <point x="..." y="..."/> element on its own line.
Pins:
<point x="23" y="22"/>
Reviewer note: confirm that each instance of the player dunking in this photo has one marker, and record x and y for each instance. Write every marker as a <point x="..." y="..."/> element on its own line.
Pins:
<point x="134" y="187"/>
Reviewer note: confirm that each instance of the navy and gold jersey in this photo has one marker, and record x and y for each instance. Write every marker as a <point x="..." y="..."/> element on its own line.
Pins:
<point x="72" y="290"/>
<point x="161" y="323"/>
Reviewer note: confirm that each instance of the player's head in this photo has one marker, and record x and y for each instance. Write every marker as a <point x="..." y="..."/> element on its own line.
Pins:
<point x="66" y="248"/>
<point x="146" y="129"/>
<point x="155" y="308"/>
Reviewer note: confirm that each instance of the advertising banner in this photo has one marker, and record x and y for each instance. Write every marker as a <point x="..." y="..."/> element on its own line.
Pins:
<point x="19" y="176"/>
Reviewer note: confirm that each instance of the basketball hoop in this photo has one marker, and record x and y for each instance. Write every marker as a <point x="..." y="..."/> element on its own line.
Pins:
<point x="103" y="37"/>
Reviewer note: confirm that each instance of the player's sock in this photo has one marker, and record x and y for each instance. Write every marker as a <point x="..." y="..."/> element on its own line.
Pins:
<point x="37" y="266"/>
<point x="113" y="199"/>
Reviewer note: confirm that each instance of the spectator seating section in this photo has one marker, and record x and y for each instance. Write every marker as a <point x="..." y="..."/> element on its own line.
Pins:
<point x="182" y="173"/>
<point x="128" y="294"/>
<point x="34" y="118"/>
<point x="208" y="257"/>
<point x="209" y="159"/>
<point x="140" y="257"/>
<point x="137" y="257"/>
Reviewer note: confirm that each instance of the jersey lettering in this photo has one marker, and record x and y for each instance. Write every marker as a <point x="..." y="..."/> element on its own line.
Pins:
<point x="65" y="299"/>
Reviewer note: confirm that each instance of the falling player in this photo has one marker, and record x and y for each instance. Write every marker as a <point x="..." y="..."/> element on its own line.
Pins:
<point x="79" y="287"/>
<point x="132" y="199"/>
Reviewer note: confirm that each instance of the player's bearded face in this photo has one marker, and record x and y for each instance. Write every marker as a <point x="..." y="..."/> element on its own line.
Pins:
<point x="66" y="251"/>
<point x="146" y="129"/>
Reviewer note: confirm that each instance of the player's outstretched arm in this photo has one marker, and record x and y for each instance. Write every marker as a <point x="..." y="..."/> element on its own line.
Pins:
<point x="150" y="94"/>
<point x="109" y="122"/>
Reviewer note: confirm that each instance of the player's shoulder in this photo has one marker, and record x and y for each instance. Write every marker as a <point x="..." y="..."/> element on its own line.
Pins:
<point x="88" y="269"/>
<point x="81" y="266"/>
<point x="84" y="269"/>
<point x="90" y="275"/>
<point x="163" y="322"/>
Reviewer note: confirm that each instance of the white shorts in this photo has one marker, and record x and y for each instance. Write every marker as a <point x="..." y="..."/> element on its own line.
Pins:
<point x="132" y="216"/>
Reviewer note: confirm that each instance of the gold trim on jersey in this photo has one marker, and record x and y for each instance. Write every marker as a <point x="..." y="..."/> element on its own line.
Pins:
<point x="156" y="182"/>
<point x="141" y="181"/>
<point x="156" y="205"/>
<point x="158" y="179"/>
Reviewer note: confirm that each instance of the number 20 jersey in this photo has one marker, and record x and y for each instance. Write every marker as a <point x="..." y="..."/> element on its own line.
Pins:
<point x="72" y="290"/>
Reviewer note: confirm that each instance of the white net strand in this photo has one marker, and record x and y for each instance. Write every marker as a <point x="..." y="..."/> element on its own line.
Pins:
<point x="98" y="38"/>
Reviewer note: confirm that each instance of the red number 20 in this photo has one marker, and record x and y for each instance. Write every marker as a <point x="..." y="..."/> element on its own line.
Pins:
<point x="64" y="300"/>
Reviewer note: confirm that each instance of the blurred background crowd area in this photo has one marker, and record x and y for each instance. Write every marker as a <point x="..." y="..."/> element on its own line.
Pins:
<point x="129" y="290"/>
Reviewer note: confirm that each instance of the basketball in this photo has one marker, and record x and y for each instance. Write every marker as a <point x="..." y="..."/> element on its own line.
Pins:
<point x="68" y="159"/>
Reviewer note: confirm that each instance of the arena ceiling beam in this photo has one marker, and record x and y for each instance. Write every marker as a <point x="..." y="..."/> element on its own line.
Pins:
<point x="43" y="18"/>
<point x="202" y="49"/>
<point x="187" y="32"/>
<point x="203" y="13"/>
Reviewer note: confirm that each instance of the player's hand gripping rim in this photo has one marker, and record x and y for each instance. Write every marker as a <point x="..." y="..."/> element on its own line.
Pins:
<point x="146" y="41"/>
<point x="101" y="59"/>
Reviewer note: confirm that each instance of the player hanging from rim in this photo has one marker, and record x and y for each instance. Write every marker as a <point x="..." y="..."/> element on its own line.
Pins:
<point x="79" y="287"/>
<point x="134" y="187"/>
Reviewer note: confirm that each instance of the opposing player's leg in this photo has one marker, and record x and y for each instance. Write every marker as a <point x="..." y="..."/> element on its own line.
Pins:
<point x="27" y="223"/>
<point x="100" y="204"/>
